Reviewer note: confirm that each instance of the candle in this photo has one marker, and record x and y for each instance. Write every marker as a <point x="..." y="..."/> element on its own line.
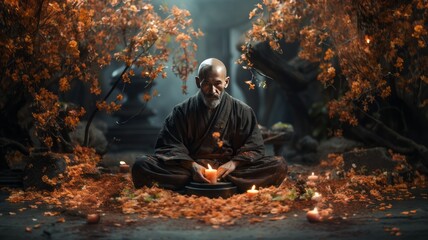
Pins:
<point x="367" y="38"/>
<point x="124" y="168"/>
<point x="313" y="177"/>
<point x="316" y="197"/>
<point x="252" y="192"/>
<point x="211" y="174"/>
<point x="311" y="184"/>
<point x="93" y="218"/>
<point x="313" y="216"/>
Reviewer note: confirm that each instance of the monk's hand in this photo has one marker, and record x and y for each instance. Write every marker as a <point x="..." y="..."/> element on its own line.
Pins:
<point x="198" y="173"/>
<point x="226" y="168"/>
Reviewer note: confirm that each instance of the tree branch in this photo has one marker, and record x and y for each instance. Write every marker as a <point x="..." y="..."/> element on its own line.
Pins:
<point x="409" y="142"/>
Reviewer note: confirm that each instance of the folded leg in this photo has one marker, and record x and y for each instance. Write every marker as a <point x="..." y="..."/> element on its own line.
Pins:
<point x="149" y="170"/>
<point x="264" y="172"/>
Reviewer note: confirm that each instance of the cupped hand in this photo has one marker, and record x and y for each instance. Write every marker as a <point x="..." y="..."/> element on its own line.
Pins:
<point x="198" y="173"/>
<point x="226" y="168"/>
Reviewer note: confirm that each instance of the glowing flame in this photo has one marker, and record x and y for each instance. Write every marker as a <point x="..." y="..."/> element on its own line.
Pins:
<point x="252" y="192"/>
<point x="313" y="174"/>
<point x="209" y="167"/>
<point x="367" y="38"/>
<point x="122" y="162"/>
<point x="315" y="210"/>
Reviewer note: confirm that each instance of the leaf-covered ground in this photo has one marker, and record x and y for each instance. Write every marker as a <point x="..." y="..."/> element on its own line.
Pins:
<point x="342" y="194"/>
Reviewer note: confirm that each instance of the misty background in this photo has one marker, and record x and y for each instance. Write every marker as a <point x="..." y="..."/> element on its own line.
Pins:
<point x="224" y="23"/>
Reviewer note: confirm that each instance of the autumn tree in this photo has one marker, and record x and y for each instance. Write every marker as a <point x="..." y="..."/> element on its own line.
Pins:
<point x="46" y="45"/>
<point x="368" y="53"/>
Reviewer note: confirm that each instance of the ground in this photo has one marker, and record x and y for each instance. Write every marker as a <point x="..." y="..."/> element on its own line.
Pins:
<point x="365" y="224"/>
<point x="401" y="213"/>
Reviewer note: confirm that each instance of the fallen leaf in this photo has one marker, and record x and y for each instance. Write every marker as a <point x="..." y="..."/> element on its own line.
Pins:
<point x="51" y="214"/>
<point x="130" y="220"/>
<point x="277" y="218"/>
<point x="255" y="220"/>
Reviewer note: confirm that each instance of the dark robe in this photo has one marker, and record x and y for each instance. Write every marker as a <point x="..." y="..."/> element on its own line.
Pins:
<point x="187" y="135"/>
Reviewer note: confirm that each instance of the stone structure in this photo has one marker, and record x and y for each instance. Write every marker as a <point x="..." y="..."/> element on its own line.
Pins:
<point x="133" y="131"/>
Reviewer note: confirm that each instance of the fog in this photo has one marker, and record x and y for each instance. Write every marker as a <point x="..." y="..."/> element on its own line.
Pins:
<point x="223" y="23"/>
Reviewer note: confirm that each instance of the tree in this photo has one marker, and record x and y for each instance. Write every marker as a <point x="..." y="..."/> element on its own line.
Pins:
<point x="45" y="45"/>
<point x="369" y="54"/>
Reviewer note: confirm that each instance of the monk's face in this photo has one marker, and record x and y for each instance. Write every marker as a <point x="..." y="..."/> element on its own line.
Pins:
<point x="213" y="86"/>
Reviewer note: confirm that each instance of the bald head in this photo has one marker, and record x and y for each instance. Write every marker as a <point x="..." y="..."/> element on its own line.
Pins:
<point x="212" y="79"/>
<point x="211" y="65"/>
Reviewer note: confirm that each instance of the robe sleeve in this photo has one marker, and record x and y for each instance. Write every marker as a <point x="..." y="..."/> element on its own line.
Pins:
<point x="171" y="144"/>
<point x="250" y="141"/>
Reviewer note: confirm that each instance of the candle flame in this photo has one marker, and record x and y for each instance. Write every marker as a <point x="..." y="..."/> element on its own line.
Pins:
<point x="312" y="173"/>
<point x="253" y="187"/>
<point x="315" y="209"/>
<point x="122" y="162"/>
<point x="209" y="166"/>
<point x="367" y="38"/>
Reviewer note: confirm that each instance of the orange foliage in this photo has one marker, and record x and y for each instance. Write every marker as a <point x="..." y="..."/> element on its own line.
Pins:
<point x="362" y="47"/>
<point x="115" y="192"/>
<point x="76" y="191"/>
<point x="47" y="45"/>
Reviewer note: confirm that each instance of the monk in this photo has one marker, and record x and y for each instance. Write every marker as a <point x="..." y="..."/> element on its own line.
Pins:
<point x="213" y="128"/>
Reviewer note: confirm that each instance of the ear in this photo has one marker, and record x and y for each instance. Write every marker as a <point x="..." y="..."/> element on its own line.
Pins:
<point x="227" y="82"/>
<point x="198" y="82"/>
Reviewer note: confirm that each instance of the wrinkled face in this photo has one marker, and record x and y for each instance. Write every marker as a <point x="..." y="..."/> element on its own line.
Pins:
<point x="212" y="86"/>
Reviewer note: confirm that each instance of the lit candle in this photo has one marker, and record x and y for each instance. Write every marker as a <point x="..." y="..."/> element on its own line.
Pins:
<point x="211" y="174"/>
<point x="367" y="38"/>
<point x="252" y="192"/>
<point x="313" y="216"/>
<point x="124" y="168"/>
<point x="313" y="177"/>
<point x="316" y="197"/>
<point x="93" y="218"/>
